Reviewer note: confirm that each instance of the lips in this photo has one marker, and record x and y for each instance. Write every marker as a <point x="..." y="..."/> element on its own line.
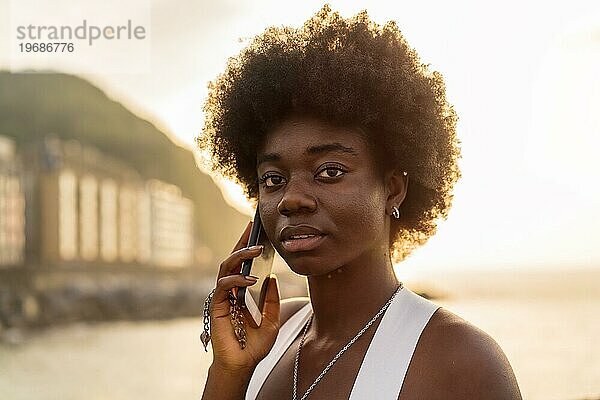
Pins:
<point x="300" y="238"/>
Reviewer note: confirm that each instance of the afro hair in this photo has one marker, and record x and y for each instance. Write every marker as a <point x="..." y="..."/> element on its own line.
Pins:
<point x="346" y="72"/>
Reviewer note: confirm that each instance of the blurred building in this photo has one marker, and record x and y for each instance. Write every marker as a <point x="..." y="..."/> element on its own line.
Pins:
<point x="12" y="206"/>
<point x="82" y="207"/>
<point x="171" y="218"/>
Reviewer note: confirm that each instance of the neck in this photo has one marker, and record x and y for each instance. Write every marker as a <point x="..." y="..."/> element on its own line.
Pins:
<point x="344" y="300"/>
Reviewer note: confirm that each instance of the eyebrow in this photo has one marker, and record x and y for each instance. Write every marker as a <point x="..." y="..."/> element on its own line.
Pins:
<point x="320" y="149"/>
<point x="329" y="147"/>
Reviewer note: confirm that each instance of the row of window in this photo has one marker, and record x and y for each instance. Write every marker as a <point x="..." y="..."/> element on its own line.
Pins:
<point x="12" y="219"/>
<point x="100" y="219"/>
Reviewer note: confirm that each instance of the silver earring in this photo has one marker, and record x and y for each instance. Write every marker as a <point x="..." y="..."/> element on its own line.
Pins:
<point x="396" y="212"/>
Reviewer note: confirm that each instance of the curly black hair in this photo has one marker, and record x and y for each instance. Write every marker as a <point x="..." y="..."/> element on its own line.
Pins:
<point x="346" y="72"/>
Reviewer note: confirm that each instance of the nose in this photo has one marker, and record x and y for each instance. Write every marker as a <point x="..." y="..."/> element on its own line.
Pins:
<point x="297" y="198"/>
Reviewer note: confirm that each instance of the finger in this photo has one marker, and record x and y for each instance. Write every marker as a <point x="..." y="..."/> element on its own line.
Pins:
<point x="243" y="241"/>
<point x="233" y="263"/>
<point x="219" y="306"/>
<point x="271" y="308"/>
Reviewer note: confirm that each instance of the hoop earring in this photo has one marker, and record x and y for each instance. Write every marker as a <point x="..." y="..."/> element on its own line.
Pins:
<point x="396" y="212"/>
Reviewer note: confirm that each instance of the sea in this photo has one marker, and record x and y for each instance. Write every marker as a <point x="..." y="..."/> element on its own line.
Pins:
<point x="546" y="321"/>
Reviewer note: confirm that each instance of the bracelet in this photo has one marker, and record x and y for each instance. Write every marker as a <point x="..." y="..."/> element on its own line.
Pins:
<point x="205" y="336"/>
<point x="236" y="320"/>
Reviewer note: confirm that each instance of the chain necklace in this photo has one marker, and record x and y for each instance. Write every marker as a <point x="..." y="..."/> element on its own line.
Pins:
<point x="339" y="354"/>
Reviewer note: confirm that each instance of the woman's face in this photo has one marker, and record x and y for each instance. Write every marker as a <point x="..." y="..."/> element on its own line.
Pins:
<point x="322" y="201"/>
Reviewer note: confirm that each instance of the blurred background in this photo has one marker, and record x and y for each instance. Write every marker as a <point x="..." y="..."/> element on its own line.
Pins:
<point x="111" y="229"/>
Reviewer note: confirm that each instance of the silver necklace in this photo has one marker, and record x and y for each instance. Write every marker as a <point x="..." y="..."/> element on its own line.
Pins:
<point x="339" y="354"/>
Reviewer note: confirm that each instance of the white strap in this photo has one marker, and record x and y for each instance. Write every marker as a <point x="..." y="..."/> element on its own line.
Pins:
<point x="287" y="333"/>
<point x="386" y="362"/>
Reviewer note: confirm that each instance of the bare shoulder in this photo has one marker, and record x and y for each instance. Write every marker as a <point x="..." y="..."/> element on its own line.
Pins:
<point x="456" y="360"/>
<point x="289" y="307"/>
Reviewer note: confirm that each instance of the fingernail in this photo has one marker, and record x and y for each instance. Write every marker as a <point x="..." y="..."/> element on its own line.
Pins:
<point x="251" y="278"/>
<point x="257" y="247"/>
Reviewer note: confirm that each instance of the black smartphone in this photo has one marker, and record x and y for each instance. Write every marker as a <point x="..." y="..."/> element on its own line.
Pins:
<point x="252" y="298"/>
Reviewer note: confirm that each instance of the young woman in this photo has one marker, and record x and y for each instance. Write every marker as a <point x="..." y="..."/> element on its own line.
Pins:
<point x="349" y="146"/>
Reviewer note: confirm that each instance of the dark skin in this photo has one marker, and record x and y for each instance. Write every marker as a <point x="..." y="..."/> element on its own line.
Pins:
<point x="323" y="176"/>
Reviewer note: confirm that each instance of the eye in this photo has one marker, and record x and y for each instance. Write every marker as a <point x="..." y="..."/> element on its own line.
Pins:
<point x="271" y="180"/>
<point x="331" y="171"/>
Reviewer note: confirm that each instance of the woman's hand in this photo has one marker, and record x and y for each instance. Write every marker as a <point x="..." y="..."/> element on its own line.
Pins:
<point x="228" y="355"/>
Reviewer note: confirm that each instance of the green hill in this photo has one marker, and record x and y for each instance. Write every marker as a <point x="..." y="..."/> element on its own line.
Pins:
<point x="33" y="105"/>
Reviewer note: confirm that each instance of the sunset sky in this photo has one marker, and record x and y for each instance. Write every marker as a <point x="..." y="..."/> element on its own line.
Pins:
<point x="523" y="77"/>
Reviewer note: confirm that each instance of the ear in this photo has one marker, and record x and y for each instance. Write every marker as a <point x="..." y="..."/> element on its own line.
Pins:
<point x="396" y="183"/>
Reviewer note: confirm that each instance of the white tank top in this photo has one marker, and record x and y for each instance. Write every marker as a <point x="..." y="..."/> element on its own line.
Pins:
<point x="385" y="364"/>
